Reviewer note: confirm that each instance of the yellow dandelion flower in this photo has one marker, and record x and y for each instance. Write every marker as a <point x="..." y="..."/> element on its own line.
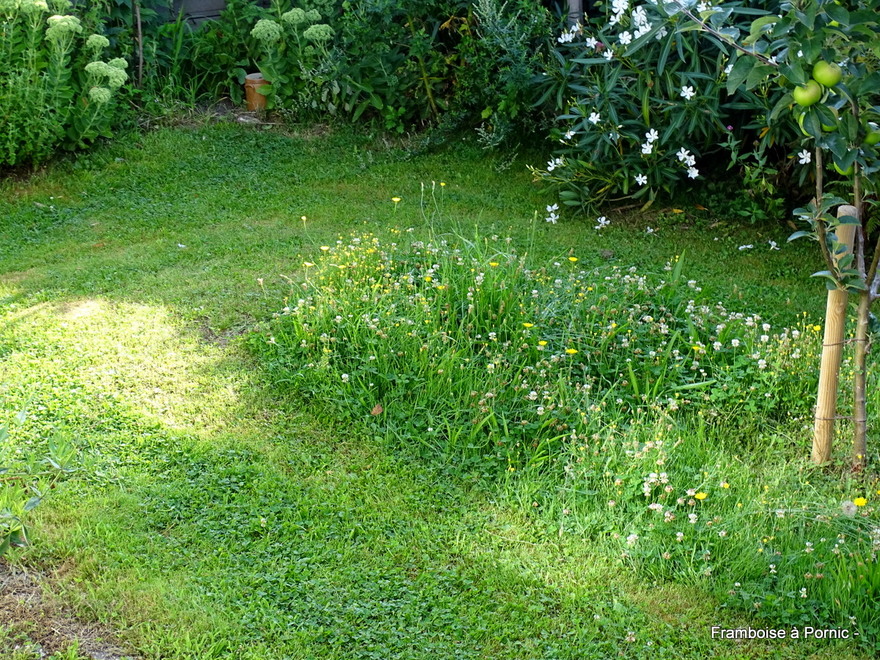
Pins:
<point x="724" y="484"/>
<point x="528" y="325"/>
<point x="440" y="287"/>
<point x="442" y="184"/>
<point x="395" y="199"/>
<point x="428" y="278"/>
<point x="493" y="263"/>
<point x="860" y="501"/>
<point x="324" y="248"/>
<point x="572" y="259"/>
<point x="544" y="343"/>
<point x="571" y="351"/>
<point x="817" y="328"/>
<point x="701" y="496"/>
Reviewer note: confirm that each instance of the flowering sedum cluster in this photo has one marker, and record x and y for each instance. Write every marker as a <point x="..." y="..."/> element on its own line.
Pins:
<point x="267" y="31"/>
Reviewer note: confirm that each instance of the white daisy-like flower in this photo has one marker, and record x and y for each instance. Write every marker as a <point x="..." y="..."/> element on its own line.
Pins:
<point x="625" y="38"/>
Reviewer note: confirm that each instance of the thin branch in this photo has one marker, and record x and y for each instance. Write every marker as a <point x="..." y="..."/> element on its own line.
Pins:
<point x="723" y="37"/>
<point x="821" y="234"/>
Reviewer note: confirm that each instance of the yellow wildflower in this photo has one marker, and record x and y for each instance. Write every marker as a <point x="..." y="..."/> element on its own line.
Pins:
<point x="701" y="496"/>
<point x="860" y="501"/>
<point x="571" y="351"/>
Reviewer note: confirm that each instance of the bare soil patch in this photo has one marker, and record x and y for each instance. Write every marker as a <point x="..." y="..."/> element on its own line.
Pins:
<point x="31" y="622"/>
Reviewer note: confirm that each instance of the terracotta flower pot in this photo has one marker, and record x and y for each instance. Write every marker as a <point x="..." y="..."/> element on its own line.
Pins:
<point x="255" y="100"/>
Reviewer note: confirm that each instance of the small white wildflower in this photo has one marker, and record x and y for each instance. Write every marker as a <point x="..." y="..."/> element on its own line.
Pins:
<point x="804" y="157"/>
<point x="687" y="92"/>
<point x="745" y="247"/>
<point x="641" y="179"/>
<point x="602" y="222"/>
<point x="595" y="117"/>
<point x="693" y="172"/>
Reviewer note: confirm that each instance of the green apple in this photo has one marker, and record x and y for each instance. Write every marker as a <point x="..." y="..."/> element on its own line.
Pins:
<point x="807" y="95"/>
<point x="873" y="136"/>
<point x="826" y="73"/>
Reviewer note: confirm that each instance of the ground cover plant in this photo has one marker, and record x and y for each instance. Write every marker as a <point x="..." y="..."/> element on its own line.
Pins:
<point x="232" y="504"/>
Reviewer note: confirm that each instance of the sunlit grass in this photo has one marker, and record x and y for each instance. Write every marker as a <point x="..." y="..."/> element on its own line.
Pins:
<point x="213" y="517"/>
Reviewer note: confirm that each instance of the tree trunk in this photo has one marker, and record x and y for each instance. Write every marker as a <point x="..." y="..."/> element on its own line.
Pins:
<point x="860" y="409"/>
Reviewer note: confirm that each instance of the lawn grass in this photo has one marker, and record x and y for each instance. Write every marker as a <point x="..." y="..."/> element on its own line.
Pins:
<point x="215" y="518"/>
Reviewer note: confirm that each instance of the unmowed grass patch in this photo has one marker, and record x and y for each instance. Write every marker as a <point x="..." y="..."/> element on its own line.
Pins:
<point x="638" y="412"/>
<point x="214" y="516"/>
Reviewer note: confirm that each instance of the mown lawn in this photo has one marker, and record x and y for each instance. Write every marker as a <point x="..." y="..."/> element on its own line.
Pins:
<point x="213" y="517"/>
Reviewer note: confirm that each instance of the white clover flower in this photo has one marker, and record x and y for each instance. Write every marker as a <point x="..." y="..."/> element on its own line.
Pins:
<point x="762" y="364"/>
<point x="625" y="38"/>
<point x="641" y="179"/>
<point x="687" y="92"/>
<point x="595" y="118"/>
<point x="632" y="539"/>
<point x="693" y="172"/>
<point x="345" y="378"/>
<point x="804" y="157"/>
<point x="734" y="343"/>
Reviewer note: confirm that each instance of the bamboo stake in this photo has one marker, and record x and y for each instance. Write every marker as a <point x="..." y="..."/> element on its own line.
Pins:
<point x="832" y="350"/>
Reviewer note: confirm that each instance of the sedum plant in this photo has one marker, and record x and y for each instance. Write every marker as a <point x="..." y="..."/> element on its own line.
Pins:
<point x="54" y="88"/>
<point x="298" y="59"/>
